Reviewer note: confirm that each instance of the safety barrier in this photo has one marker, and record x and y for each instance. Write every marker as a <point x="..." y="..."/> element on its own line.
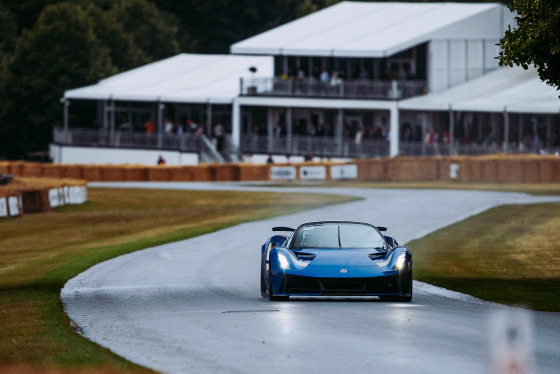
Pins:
<point x="38" y="194"/>
<point x="492" y="168"/>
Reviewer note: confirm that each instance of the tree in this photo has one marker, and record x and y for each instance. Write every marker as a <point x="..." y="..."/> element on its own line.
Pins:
<point x="73" y="44"/>
<point x="8" y="32"/>
<point x="535" y="40"/>
<point x="60" y="52"/>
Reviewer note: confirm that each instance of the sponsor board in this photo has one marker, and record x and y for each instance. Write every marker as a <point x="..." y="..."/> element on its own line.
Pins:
<point x="283" y="172"/>
<point x="54" y="197"/>
<point x="454" y="171"/>
<point x="313" y="172"/>
<point x="344" y="171"/>
<point x="3" y="207"/>
<point x="14" y="204"/>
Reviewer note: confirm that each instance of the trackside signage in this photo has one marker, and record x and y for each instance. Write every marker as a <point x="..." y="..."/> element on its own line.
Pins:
<point x="344" y="172"/>
<point x="510" y="339"/>
<point x="3" y="207"/>
<point x="282" y="173"/>
<point x="313" y="172"/>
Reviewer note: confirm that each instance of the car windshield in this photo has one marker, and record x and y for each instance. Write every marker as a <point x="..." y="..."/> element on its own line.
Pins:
<point x="337" y="236"/>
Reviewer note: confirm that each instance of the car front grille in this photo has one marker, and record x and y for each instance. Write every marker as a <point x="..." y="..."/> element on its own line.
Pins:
<point x="342" y="286"/>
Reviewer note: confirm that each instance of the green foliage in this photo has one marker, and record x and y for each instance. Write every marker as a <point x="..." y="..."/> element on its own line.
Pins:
<point x="8" y="31"/>
<point x="73" y="44"/>
<point x="60" y="52"/>
<point x="215" y="25"/>
<point x="535" y="40"/>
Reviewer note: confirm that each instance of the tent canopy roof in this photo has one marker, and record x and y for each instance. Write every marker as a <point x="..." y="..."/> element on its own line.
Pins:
<point x="514" y="90"/>
<point x="189" y="78"/>
<point x="356" y="29"/>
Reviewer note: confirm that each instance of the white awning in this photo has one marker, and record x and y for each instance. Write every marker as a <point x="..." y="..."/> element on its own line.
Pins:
<point x="186" y="78"/>
<point x="509" y="89"/>
<point x="378" y="29"/>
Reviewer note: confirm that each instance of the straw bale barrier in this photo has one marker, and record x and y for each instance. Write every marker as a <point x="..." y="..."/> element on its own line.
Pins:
<point x="135" y="173"/>
<point x="409" y="169"/>
<point x="158" y="173"/>
<point x="36" y="194"/>
<point x="248" y="172"/>
<point x="92" y="173"/>
<point x="226" y="172"/>
<point x="499" y="168"/>
<point x="204" y="173"/>
<point x="372" y="169"/>
<point x="181" y="173"/>
<point x="549" y="170"/>
<point x="31" y="169"/>
<point x="113" y="173"/>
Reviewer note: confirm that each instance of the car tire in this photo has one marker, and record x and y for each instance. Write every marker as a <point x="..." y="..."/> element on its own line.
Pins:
<point x="264" y="290"/>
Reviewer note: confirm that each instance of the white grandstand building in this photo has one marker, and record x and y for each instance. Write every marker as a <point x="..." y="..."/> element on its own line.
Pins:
<point x="352" y="80"/>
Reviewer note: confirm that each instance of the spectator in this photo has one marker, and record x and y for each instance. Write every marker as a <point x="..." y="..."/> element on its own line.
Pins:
<point x="270" y="160"/>
<point x="161" y="160"/>
<point x="219" y="133"/>
<point x="149" y="126"/>
<point x="191" y="126"/>
<point x="324" y="77"/>
<point x="168" y="126"/>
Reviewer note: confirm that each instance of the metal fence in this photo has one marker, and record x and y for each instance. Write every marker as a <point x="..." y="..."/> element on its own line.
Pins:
<point x="441" y="149"/>
<point x="347" y="89"/>
<point x="314" y="146"/>
<point x="118" y="139"/>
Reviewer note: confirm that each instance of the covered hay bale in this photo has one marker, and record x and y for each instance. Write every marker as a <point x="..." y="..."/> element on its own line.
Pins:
<point x="204" y="173"/>
<point x="226" y="172"/>
<point x="248" y="172"/>
<point x="135" y="173"/>
<point x="92" y="173"/>
<point x="158" y="173"/>
<point x="113" y="173"/>
<point x="412" y="169"/>
<point x="54" y="171"/>
<point x="36" y="201"/>
<point x="372" y="169"/>
<point x="32" y="169"/>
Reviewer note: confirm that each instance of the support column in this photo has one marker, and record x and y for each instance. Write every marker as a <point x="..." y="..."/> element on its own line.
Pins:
<point x="270" y="129"/>
<point x="66" y="104"/>
<point x="236" y="125"/>
<point x="506" y="131"/>
<point x="394" y="130"/>
<point x="339" y="132"/>
<point x="209" y="120"/>
<point x="548" y="132"/>
<point x="160" y="107"/>
<point x="520" y="124"/>
<point x="451" y="131"/>
<point x="112" y="122"/>
<point x="289" y="129"/>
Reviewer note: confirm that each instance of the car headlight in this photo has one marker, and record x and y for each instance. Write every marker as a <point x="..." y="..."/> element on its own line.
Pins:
<point x="284" y="264"/>
<point x="400" y="260"/>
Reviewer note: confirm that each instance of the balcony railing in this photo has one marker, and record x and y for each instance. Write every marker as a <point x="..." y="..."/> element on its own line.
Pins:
<point x="341" y="89"/>
<point x="188" y="143"/>
<point x="314" y="146"/>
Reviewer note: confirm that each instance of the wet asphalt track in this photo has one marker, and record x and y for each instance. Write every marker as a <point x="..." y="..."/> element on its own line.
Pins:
<point x="195" y="306"/>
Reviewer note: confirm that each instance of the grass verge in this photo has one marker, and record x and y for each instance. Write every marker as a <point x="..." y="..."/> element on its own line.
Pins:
<point x="40" y="252"/>
<point x="508" y="254"/>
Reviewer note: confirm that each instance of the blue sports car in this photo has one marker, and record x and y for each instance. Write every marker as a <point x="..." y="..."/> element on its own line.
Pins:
<point x="335" y="258"/>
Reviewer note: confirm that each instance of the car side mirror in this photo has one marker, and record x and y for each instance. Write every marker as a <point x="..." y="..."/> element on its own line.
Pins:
<point x="391" y="241"/>
<point x="381" y="228"/>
